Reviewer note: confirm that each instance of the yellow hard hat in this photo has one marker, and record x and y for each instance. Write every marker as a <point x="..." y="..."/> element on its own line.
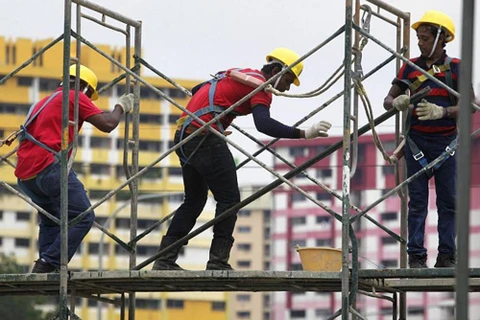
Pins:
<point x="288" y="57"/>
<point x="438" y="19"/>
<point x="88" y="76"/>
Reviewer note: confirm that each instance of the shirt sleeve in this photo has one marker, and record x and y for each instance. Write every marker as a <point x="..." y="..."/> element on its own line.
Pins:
<point x="402" y="79"/>
<point x="86" y="108"/>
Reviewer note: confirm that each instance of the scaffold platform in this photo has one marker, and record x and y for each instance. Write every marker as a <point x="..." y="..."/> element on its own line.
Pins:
<point x="117" y="282"/>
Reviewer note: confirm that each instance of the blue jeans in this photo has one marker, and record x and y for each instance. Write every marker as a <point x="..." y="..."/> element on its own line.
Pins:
<point x="445" y="186"/>
<point x="44" y="190"/>
<point x="211" y="167"/>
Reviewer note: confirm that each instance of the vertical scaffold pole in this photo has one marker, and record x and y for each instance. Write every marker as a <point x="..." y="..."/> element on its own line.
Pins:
<point x="64" y="163"/>
<point x="403" y="175"/>
<point x="346" y="160"/>
<point x="136" y="138"/>
<point x="463" y="159"/>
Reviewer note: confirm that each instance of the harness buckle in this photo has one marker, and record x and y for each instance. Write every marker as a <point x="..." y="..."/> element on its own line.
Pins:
<point x="418" y="156"/>
<point x="436" y="69"/>
<point x="450" y="151"/>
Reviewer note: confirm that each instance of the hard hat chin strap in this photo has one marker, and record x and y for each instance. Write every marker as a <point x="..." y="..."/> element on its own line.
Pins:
<point x="439" y="30"/>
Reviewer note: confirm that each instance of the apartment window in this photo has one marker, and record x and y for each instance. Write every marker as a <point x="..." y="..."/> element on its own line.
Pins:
<point x="175" y="304"/>
<point x="1" y="212"/>
<point x="122" y="223"/>
<point x="244" y="263"/>
<point x="14" y="54"/>
<point x="13" y="108"/>
<point x="100" y="142"/>
<point x="79" y="167"/>
<point x="151" y="118"/>
<point x="389" y="216"/>
<point x="23" y="216"/>
<point x="297" y="314"/>
<point x="244" y="229"/>
<point x="92" y="303"/>
<point x="323" y="242"/>
<point x="147" y="93"/>
<point x="176" y="197"/>
<point x="243" y="297"/>
<point x="297" y="197"/>
<point x="49" y="84"/>
<point x="94" y="248"/>
<point x="267" y="214"/>
<point x="100" y="169"/>
<point x="389" y="263"/>
<point x="1" y="241"/>
<point x="297" y="221"/>
<point x="297" y="151"/>
<point x="2" y="133"/>
<point x="147" y="303"/>
<point x="296" y="267"/>
<point x="416" y="310"/>
<point x="146" y="145"/>
<point x="145" y="223"/>
<point x="323" y="219"/>
<point x="173" y="118"/>
<point x="97" y="194"/>
<point x="266" y="315"/>
<point x="172" y="171"/>
<point x="244" y="213"/>
<point x="324" y="173"/>
<point x="386" y="311"/>
<point x="388" y="240"/>
<point x="24" y="81"/>
<point x="120" y="251"/>
<point x="243" y="314"/>
<point x="218" y="306"/>
<point x="176" y="93"/>
<point x="244" y="247"/>
<point x="300" y="242"/>
<point x="266" y="265"/>
<point x="7" y="54"/>
<point x="323" y="196"/>
<point x="22" y="242"/>
<point x="146" y="250"/>
<point x="388" y="170"/>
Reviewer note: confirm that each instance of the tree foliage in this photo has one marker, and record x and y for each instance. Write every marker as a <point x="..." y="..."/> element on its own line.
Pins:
<point x="18" y="307"/>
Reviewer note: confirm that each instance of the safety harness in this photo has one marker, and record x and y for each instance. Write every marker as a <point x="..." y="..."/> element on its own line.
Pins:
<point x="418" y="155"/>
<point x="185" y="121"/>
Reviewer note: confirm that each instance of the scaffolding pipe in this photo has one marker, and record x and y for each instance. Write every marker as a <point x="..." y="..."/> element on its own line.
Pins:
<point x="64" y="164"/>
<point x="108" y="12"/>
<point x="463" y="160"/>
<point x="390" y="8"/>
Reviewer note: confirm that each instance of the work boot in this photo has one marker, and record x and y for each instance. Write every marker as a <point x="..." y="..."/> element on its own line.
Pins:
<point x="41" y="266"/>
<point x="445" y="261"/>
<point x="219" y="254"/>
<point x="167" y="260"/>
<point x="417" y="261"/>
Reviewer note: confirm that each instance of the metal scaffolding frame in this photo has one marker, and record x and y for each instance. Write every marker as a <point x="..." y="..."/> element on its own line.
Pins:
<point x="351" y="280"/>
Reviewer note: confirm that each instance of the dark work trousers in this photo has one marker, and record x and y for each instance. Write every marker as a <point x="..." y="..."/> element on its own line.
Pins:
<point x="211" y="167"/>
<point x="44" y="190"/>
<point x="445" y="186"/>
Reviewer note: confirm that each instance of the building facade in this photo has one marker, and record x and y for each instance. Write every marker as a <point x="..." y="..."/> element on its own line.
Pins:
<point x="99" y="165"/>
<point x="297" y="220"/>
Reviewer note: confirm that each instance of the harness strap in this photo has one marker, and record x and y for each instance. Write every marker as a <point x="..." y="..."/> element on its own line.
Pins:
<point x="211" y="108"/>
<point x="435" y="69"/>
<point x="24" y="134"/>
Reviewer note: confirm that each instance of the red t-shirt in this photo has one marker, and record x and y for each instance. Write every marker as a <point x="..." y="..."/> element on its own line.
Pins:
<point x="47" y="128"/>
<point x="228" y="92"/>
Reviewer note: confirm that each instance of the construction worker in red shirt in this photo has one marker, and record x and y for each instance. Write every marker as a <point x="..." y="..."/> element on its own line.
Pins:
<point x="206" y="161"/>
<point x="38" y="166"/>
<point x="431" y="131"/>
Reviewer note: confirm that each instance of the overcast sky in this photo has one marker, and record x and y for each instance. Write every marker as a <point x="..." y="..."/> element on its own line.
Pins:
<point x="192" y="39"/>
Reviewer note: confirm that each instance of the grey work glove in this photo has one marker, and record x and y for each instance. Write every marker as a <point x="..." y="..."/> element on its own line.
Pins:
<point x="401" y="102"/>
<point x="126" y="102"/>
<point x="318" y="130"/>
<point x="429" y="111"/>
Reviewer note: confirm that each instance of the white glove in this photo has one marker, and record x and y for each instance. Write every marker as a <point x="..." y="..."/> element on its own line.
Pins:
<point x="126" y="102"/>
<point x="318" y="130"/>
<point x="401" y="102"/>
<point x="429" y="111"/>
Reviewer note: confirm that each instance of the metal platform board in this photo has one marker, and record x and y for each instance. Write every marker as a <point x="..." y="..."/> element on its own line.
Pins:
<point x="108" y="282"/>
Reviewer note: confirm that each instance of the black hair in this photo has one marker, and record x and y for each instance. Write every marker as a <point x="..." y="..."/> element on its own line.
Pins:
<point x="434" y="30"/>
<point x="268" y="68"/>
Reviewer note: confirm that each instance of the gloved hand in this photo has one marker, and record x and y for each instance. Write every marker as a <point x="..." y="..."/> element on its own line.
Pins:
<point x="318" y="130"/>
<point x="126" y="102"/>
<point x="429" y="111"/>
<point x="401" y="102"/>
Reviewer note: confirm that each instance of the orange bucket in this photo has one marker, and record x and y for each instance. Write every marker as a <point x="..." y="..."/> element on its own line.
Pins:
<point x="320" y="258"/>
